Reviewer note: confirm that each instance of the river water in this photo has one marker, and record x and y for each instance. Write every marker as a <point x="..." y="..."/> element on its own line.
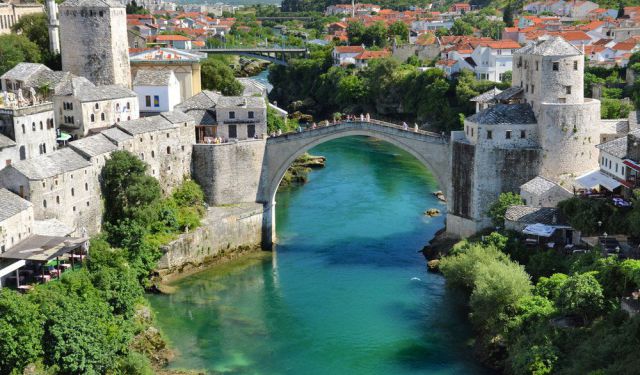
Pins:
<point x="345" y="292"/>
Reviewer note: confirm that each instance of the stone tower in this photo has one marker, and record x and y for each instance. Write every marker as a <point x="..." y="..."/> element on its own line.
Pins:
<point x="54" y="26"/>
<point x="93" y="34"/>
<point x="551" y="75"/>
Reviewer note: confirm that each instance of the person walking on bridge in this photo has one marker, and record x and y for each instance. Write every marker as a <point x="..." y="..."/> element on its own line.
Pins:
<point x="368" y="117"/>
<point x="415" y="127"/>
<point x="361" y="117"/>
<point x="405" y="126"/>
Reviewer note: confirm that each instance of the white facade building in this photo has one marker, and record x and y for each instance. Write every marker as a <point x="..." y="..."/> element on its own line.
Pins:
<point x="158" y="91"/>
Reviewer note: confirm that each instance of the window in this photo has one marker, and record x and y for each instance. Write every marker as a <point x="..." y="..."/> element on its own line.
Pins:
<point x="507" y="134"/>
<point x="23" y="129"/>
<point x="251" y="131"/>
<point x="526" y="88"/>
<point x="57" y="199"/>
<point x="147" y="100"/>
<point x="156" y="101"/>
<point x="250" y="114"/>
<point x="233" y="131"/>
<point x="532" y="88"/>
<point x="519" y="62"/>
<point x="575" y="65"/>
<point x="93" y="118"/>
<point x="472" y="132"/>
<point x="568" y="89"/>
<point x="23" y="153"/>
<point x="41" y="126"/>
<point x="489" y="134"/>
<point x="73" y="192"/>
<point x="128" y="105"/>
<point x="102" y="116"/>
<point x="153" y="154"/>
<point x="44" y="148"/>
<point x="86" y="186"/>
<point x="33" y="126"/>
<point x="523" y="134"/>
<point x="97" y="105"/>
<point x="168" y="150"/>
<point x="44" y="203"/>
<point x="537" y="65"/>
<point x="232" y="115"/>
<point x="616" y="167"/>
<point x="556" y="66"/>
<point x="526" y="64"/>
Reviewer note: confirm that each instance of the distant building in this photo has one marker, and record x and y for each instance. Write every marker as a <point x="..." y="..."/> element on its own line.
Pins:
<point x="12" y="11"/>
<point x="158" y="91"/>
<point x="344" y="55"/>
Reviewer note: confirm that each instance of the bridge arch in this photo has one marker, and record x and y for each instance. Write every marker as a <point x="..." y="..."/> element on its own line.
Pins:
<point x="431" y="149"/>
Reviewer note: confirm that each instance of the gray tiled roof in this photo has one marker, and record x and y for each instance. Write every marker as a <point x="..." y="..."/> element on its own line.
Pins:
<point x="55" y="163"/>
<point x="94" y="145"/>
<point x="252" y="87"/>
<point x="538" y="185"/>
<point x="203" y="100"/>
<point x="23" y="71"/>
<point x="116" y="134"/>
<point x="93" y="3"/>
<point x="85" y="91"/>
<point x="505" y="114"/>
<point x="145" y="125"/>
<point x="509" y="93"/>
<point x="11" y="205"/>
<point x="618" y="147"/>
<point x="486" y="97"/>
<point x="176" y="117"/>
<point x="203" y="116"/>
<point x="555" y="46"/>
<point x="145" y="77"/>
<point x="241" y="102"/>
<point x="533" y="215"/>
<point x="6" y="141"/>
<point x="38" y="75"/>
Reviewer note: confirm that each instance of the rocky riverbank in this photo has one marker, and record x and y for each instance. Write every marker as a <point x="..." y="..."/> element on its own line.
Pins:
<point x="298" y="173"/>
<point x="244" y="67"/>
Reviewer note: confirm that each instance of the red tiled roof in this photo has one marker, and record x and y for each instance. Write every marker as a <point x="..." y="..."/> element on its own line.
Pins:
<point x="367" y="55"/>
<point x="349" y="49"/>
<point x="574" y="35"/>
<point x="504" y="44"/>
<point x="163" y="38"/>
<point x="447" y="62"/>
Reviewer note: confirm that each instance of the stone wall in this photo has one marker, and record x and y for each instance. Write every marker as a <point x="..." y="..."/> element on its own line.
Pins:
<point x="31" y="128"/>
<point x="229" y="173"/>
<point x="225" y="232"/>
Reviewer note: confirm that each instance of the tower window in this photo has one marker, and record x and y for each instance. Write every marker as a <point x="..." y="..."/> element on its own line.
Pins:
<point x="147" y="100"/>
<point x="537" y="65"/>
<point x="507" y="134"/>
<point x="575" y="65"/>
<point x="489" y="134"/>
<point x="556" y="66"/>
<point x="568" y="89"/>
<point x="532" y="88"/>
<point x="523" y="133"/>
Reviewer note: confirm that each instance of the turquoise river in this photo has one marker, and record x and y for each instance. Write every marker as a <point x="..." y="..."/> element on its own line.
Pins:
<point x="346" y="290"/>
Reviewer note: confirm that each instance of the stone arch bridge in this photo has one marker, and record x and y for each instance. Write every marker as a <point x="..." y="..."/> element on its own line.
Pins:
<point x="431" y="149"/>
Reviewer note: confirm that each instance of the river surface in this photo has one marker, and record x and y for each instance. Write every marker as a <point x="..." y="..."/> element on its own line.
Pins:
<point x="345" y="292"/>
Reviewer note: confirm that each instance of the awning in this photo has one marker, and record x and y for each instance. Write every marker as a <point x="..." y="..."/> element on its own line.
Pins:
<point x="631" y="164"/>
<point x="597" y="178"/>
<point x="63" y="137"/>
<point x="539" y="230"/>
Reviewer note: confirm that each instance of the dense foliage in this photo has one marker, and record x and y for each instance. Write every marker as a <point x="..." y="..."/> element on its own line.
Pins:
<point x="84" y="323"/>
<point x="594" y="216"/>
<point x="564" y="323"/>
<point x="218" y="76"/>
<point x="497" y="210"/>
<point x="15" y="49"/>
<point x="386" y="88"/>
<point x="35" y="28"/>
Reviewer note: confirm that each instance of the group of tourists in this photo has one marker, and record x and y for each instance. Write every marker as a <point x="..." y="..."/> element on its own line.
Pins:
<point x="346" y="118"/>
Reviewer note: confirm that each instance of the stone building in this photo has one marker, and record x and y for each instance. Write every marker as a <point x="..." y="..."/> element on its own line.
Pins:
<point x="541" y="192"/>
<point x="60" y="185"/>
<point x="93" y="34"/>
<point x="164" y="142"/>
<point x="227" y="117"/>
<point x="12" y="11"/>
<point x="81" y="107"/>
<point x="184" y="64"/>
<point x="541" y="126"/>
<point x="16" y="219"/>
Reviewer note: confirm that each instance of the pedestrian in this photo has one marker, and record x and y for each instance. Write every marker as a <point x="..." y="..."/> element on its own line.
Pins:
<point x="415" y="127"/>
<point x="299" y="129"/>
<point x="368" y="117"/>
<point x="405" y="126"/>
<point x="279" y="132"/>
<point x="361" y="117"/>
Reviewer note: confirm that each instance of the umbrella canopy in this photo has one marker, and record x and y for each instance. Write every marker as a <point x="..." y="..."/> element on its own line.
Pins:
<point x="63" y="137"/>
<point x="539" y="230"/>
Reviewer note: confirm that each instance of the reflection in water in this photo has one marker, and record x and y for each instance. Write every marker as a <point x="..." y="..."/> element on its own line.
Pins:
<point x="346" y="291"/>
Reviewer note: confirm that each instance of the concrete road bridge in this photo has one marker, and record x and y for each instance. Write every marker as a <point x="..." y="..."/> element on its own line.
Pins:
<point x="275" y="54"/>
<point x="431" y="149"/>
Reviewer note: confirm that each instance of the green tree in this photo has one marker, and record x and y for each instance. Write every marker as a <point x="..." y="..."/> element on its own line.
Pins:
<point x="20" y="332"/>
<point x="216" y="75"/>
<point x="375" y="35"/>
<point x="460" y="27"/>
<point x="15" y="49"/>
<point x="351" y="89"/>
<point x="499" y="208"/>
<point x="582" y="295"/>
<point x="551" y="287"/>
<point x="399" y="29"/>
<point x="125" y="186"/>
<point x="355" y="32"/>
<point x="507" y="15"/>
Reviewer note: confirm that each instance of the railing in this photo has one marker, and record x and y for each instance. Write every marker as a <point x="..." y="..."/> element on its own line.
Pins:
<point x="408" y="129"/>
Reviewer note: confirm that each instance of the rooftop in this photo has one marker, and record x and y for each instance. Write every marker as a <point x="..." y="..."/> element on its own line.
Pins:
<point x="49" y="165"/>
<point x="538" y="185"/>
<point x="116" y="134"/>
<point x="93" y="3"/>
<point x="486" y="97"/>
<point x="555" y="46"/>
<point x="533" y="215"/>
<point x="505" y="114"/>
<point x="6" y="142"/>
<point x="11" y="205"/>
<point x="85" y="91"/>
<point x="166" y="120"/>
<point x="94" y="145"/>
<point x="145" y="77"/>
